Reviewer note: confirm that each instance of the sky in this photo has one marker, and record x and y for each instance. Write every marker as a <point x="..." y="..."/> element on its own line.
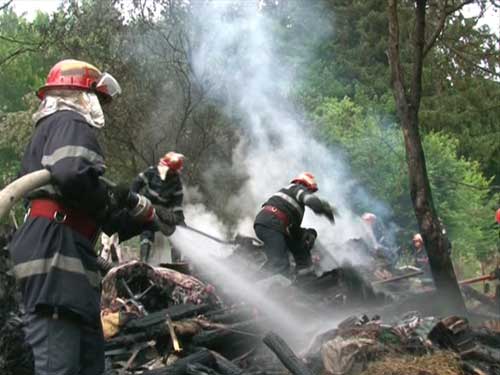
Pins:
<point x="30" y="7"/>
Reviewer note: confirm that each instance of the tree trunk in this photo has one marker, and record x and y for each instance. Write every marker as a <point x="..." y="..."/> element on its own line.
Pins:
<point x="408" y="103"/>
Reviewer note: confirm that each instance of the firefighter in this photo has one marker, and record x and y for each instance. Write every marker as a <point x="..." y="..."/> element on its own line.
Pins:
<point x="369" y="225"/>
<point x="420" y="254"/>
<point x="163" y="186"/>
<point x="278" y="224"/>
<point x="53" y="251"/>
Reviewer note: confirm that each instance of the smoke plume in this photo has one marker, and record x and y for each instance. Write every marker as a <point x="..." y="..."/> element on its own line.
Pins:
<point x="239" y="53"/>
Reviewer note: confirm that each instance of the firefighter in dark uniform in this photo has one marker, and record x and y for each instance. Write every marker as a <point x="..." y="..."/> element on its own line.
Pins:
<point x="53" y="251"/>
<point x="278" y="224"/>
<point x="162" y="185"/>
<point x="421" y="260"/>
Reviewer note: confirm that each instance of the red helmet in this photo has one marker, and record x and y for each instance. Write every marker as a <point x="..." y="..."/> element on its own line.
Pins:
<point x="173" y="161"/>
<point x="306" y="179"/>
<point x="79" y="75"/>
<point x="497" y="216"/>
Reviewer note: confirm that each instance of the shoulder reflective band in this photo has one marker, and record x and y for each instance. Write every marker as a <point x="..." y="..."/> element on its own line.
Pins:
<point x="143" y="178"/>
<point x="72" y="152"/>
<point x="299" y="195"/>
<point x="289" y="200"/>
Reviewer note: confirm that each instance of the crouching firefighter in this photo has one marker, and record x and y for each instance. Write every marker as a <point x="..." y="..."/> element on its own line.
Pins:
<point x="278" y="224"/>
<point x="162" y="185"/>
<point x="53" y="251"/>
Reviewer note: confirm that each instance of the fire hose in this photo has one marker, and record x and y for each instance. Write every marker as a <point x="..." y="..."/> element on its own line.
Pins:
<point x="213" y="238"/>
<point x="140" y="207"/>
<point x="17" y="189"/>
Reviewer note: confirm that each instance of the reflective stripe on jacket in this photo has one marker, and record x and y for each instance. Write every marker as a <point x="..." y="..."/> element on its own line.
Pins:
<point x="54" y="264"/>
<point x="289" y="200"/>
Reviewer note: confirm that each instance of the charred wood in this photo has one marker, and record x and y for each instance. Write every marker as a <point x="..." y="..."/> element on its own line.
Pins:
<point x="199" y="369"/>
<point x="211" y="338"/>
<point x="488" y="337"/>
<point x="231" y="315"/>
<point x="225" y="366"/>
<point x="327" y="280"/>
<point x="230" y="340"/>
<point x="203" y="357"/>
<point x="175" y="312"/>
<point x="285" y="354"/>
<point x="125" y="341"/>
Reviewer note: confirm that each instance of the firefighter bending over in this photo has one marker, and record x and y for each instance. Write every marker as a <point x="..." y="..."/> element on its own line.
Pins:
<point x="162" y="185"/>
<point x="278" y="224"/>
<point x="53" y="251"/>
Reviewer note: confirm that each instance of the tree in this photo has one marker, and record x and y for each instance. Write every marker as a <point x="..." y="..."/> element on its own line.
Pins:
<point x="376" y="154"/>
<point x="459" y="95"/>
<point x="164" y="105"/>
<point x="408" y="94"/>
<point x="22" y="63"/>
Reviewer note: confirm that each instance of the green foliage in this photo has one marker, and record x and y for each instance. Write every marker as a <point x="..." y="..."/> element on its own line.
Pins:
<point x="339" y="51"/>
<point x="460" y="78"/>
<point x="163" y="106"/>
<point x="377" y="158"/>
<point x="22" y="57"/>
<point x="16" y="129"/>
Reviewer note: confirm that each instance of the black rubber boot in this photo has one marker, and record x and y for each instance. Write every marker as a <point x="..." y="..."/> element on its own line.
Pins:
<point x="145" y="251"/>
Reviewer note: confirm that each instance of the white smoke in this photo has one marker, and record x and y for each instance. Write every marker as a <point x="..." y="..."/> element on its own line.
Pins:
<point x="238" y="51"/>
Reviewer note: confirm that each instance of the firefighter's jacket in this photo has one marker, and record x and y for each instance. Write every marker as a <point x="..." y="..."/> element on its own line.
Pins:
<point x="165" y="193"/>
<point x="422" y="260"/>
<point x="56" y="266"/>
<point x="290" y="200"/>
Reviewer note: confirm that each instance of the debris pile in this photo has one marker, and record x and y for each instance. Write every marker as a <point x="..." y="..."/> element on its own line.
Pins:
<point x="412" y="345"/>
<point x="161" y="321"/>
<point x="194" y="332"/>
<point x="16" y="357"/>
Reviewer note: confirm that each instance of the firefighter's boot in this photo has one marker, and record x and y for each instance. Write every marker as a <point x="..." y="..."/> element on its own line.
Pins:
<point x="145" y="251"/>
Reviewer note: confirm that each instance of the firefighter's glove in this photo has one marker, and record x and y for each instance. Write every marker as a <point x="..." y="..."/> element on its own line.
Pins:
<point x="166" y="216"/>
<point x="120" y="196"/>
<point x="166" y="228"/>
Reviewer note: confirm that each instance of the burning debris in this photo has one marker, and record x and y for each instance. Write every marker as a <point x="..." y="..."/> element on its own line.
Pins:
<point x="163" y="320"/>
<point x="158" y="320"/>
<point x="173" y="323"/>
<point x="407" y="346"/>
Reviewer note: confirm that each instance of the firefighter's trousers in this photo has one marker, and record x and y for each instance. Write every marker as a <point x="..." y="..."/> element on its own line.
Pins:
<point x="63" y="346"/>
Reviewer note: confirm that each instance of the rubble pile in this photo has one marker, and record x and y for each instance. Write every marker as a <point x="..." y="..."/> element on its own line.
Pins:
<point x="411" y="345"/>
<point x="16" y="357"/>
<point x="195" y="332"/>
<point x="161" y="321"/>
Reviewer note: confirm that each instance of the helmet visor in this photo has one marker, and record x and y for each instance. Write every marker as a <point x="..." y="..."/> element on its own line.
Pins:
<point x="108" y="86"/>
